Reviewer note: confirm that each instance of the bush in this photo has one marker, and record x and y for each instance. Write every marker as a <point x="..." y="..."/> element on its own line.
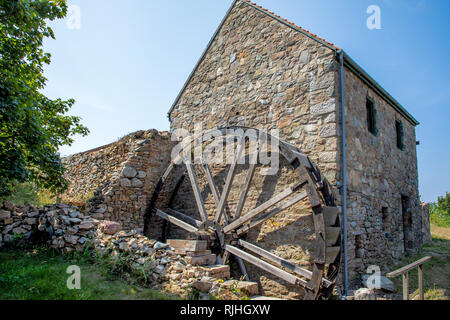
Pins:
<point x="440" y="211"/>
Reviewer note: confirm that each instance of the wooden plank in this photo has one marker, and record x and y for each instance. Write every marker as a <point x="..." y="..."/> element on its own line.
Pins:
<point x="280" y="261"/>
<point x="188" y="245"/>
<point x="330" y="215"/>
<point x="297" y="198"/>
<point x="176" y="221"/>
<point x="266" y="266"/>
<point x="197" y="194"/>
<point x="263" y="207"/>
<point x="332" y="235"/>
<point x="408" y="267"/>
<point x="184" y="217"/>
<point x="331" y="254"/>
<point x="229" y="181"/>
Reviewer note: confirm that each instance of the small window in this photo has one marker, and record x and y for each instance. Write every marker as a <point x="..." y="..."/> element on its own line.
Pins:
<point x="371" y="117"/>
<point x="359" y="247"/>
<point x="386" y="220"/>
<point x="400" y="134"/>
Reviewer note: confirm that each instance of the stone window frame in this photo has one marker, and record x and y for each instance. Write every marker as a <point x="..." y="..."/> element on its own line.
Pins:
<point x="371" y="111"/>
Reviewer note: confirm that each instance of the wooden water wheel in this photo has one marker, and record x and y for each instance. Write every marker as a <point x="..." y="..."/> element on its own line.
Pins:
<point x="227" y="229"/>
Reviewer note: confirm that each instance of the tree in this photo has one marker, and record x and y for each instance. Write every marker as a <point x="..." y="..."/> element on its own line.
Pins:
<point x="32" y="126"/>
<point x="440" y="211"/>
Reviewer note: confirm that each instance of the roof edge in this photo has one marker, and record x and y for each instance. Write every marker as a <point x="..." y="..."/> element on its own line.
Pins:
<point x="366" y="78"/>
<point x="348" y="62"/>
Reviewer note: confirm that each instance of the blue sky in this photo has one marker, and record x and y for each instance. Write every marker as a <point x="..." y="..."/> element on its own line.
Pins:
<point x="129" y="59"/>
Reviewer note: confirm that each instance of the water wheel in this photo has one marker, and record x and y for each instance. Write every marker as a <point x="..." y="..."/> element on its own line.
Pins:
<point x="226" y="226"/>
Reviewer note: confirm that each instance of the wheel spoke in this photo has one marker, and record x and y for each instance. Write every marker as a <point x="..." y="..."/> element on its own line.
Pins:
<point x="271" y="213"/>
<point x="229" y="181"/>
<point x="176" y="221"/>
<point x="196" y="189"/>
<point x="280" y="261"/>
<point x="248" y="179"/>
<point x="184" y="217"/>
<point x="266" y="266"/>
<point x="266" y="205"/>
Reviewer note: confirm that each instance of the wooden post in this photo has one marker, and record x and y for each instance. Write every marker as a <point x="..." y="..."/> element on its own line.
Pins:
<point x="420" y="276"/>
<point x="405" y="286"/>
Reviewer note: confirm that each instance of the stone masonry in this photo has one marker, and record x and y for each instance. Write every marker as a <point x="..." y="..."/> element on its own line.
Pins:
<point x="115" y="182"/>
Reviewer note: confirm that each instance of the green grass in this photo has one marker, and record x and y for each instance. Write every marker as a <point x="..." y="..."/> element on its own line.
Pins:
<point x="436" y="272"/>
<point x="40" y="274"/>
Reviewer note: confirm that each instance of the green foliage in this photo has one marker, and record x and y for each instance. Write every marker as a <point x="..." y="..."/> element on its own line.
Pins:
<point x="440" y="211"/>
<point x="40" y="274"/>
<point x="32" y="126"/>
<point x="28" y="194"/>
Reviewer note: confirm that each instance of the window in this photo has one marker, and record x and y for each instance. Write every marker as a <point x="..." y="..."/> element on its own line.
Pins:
<point x="400" y="134"/>
<point x="371" y="117"/>
<point x="386" y="220"/>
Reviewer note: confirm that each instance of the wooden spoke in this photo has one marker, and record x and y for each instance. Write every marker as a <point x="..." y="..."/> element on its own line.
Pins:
<point x="297" y="198"/>
<point x="184" y="217"/>
<point x="286" y="276"/>
<point x="248" y="179"/>
<point x="242" y="268"/>
<point x="229" y="181"/>
<point x="176" y="221"/>
<point x="214" y="190"/>
<point x="196" y="189"/>
<point x="279" y="261"/>
<point x="266" y="205"/>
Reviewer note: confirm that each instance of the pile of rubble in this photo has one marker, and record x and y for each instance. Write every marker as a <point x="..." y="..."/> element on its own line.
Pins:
<point x="177" y="267"/>
<point x="62" y="226"/>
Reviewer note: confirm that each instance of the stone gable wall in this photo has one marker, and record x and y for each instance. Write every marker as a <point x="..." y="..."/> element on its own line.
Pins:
<point x="115" y="182"/>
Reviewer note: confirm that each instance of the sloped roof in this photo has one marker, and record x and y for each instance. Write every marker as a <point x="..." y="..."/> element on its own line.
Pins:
<point x="348" y="62"/>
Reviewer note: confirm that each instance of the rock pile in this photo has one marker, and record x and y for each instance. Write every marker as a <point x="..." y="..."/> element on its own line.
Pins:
<point x="66" y="229"/>
<point x="62" y="226"/>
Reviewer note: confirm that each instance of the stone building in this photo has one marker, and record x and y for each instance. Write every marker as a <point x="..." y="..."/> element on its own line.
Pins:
<point x="262" y="71"/>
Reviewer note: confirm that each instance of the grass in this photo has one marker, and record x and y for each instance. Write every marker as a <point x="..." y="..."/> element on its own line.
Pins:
<point x="40" y="274"/>
<point x="436" y="271"/>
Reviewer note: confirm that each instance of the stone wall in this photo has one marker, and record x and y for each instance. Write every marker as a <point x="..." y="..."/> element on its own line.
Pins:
<point x="115" y="182"/>
<point x="379" y="174"/>
<point x="260" y="73"/>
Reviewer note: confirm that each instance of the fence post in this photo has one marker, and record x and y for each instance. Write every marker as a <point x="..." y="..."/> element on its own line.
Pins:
<point x="405" y="286"/>
<point x="420" y="271"/>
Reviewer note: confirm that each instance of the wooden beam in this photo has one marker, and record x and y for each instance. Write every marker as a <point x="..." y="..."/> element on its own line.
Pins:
<point x="248" y="179"/>
<point x="229" y="181"/>
<point x="266" y="266"/>
<point x="214" y="190"/>
<point x="408" y="267"/>
<point x="196" y="189"/>
<point x="271" y="213"/>
<point x="332" y="235"/>
<point x="176" y="221"/>
<point x="280" y="262"/>
<point x="263" y="207"/>
<point x="184" y="217"/>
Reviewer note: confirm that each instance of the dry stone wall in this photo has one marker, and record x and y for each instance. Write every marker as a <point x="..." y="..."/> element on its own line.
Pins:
<point x="115" y="182"/>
